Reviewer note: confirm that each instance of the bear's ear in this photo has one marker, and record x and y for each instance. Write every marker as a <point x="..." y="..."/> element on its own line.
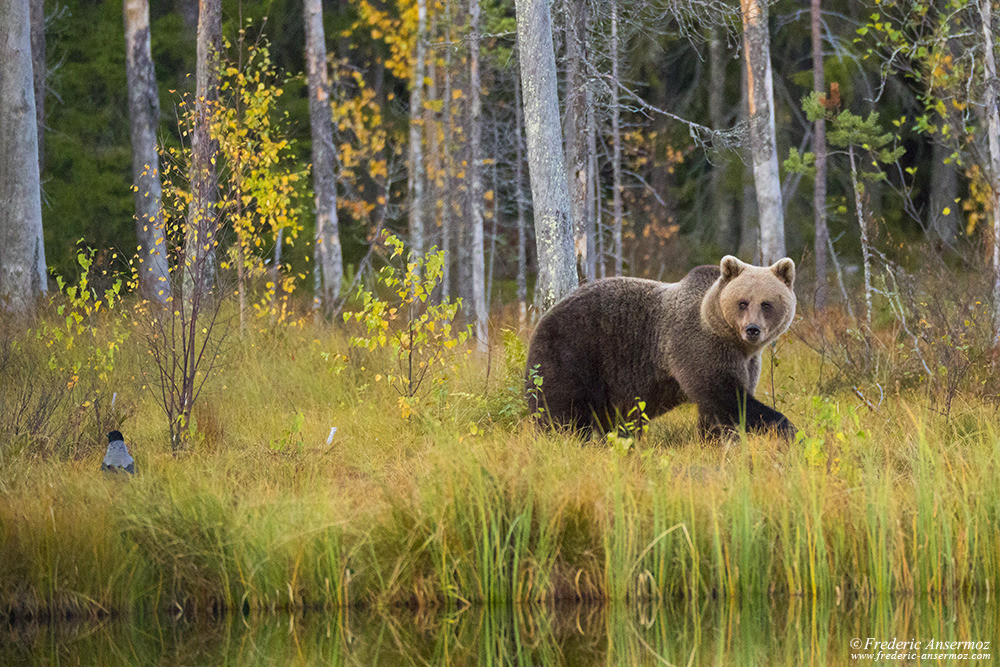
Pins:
<point x="784" y="269"/>
<point x="730" y="267"/>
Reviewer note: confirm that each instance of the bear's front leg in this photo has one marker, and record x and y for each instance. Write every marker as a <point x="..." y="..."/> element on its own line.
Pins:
<point x="730" y="405"/>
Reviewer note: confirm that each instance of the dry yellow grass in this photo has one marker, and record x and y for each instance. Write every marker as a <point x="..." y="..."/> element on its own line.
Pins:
<point x="467" y="501"/>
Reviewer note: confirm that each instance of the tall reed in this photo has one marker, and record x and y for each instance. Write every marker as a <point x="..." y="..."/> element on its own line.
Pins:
<point x="463" y="501"/>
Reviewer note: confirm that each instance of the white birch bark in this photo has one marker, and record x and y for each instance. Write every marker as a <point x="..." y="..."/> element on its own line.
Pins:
<point x="546" y="164"/>
<point x="592" y="215"/>
<point x="431" y="130"/>
<point x="522" y="263"/>
<point x="327" y="251"/>
<point x="39" y="72"/>
<point x="200" y="236"/>
<point x="144" y="116"/>
<point x="763" y="147"/>
<point x="446" y="227"/>
<point x="415" y="168"/>
<point x="22" y="249"/>
<point x="991" y="91"/>
<point x="866" y="257"/>
<point x="726" y="225"/>
<point x="480" y="328"/>
<point x="822" y="233"/>
<point x="576" y="157"/>
<point x="749" y="238"/>
<point x="616" y="140"/>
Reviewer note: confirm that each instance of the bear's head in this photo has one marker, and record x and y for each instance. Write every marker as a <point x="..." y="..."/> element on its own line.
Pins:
<point x="754" y="304"/>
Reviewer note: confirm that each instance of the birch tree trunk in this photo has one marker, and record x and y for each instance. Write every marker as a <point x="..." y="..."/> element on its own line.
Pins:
<point x="866" y="256"/>
<point x="480" y="327"/>
<point x="593" y="211"/>
<point x="990" y="92"/>
<point x="200" y="241"/>
<point x="522" y="263"/>
<point x="446" y="206"/>
<point x="819" y="149"/>
<point x="546" y="166"/>
<point x="749" y="238"/>
<point x="22" y="249"/>
<point x="431" y="131"/>
<point x="39" y="72"/>
<point x="327" y="252"/>
<point x="616" y="141"/>
<point x="763" y="147"/>
<point x="144" y="116"/>
<point x="415" y="168"/>
<point x="726" y="224"/>
<point x="576" y="157"/>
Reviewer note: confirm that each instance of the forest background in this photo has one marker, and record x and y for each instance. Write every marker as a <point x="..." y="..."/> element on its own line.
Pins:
<point x="685" y="200"/>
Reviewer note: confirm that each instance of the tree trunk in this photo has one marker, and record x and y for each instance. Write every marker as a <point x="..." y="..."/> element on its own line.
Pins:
<point x="39" y="72"/>
<point x="415" y="168"/>
<point x="495" y="221"/>
<point x="201" y="241"/>
<point x="481" y="331"/>
<point x="546" y="166"/>
<point x="819" y="148"/>
<point x="593" y="211"/>
<point x="328" y="257"/>
<point x="942" y="220"/>
<point x="726" y="225"/>
<point x="22" y="249"/>
<point x="616" y="141"/>
<point x="576" y="157"/>
<point x="749" y="238"/>
<point x="435" y="197"/>
<point x="522" y="263"/>
<point x="866" y="257"/>
<point x="763" y="146"/>
<point x="991" y="91"/>
<point x="144" y="114"/>
<point x="446" y="205"/>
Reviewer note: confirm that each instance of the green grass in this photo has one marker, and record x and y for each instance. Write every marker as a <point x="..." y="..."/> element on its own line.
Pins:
<point x="466" y="502"/>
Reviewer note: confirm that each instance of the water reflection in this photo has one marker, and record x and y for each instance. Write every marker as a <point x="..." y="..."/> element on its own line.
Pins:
<point x="711" y="632"/>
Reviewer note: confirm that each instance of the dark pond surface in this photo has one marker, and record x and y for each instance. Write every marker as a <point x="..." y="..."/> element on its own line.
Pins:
<point x="723" y="633"/>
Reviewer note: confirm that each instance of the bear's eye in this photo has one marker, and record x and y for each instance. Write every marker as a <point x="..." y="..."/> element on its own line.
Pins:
<point x="744" y="305"/>
<point x="765" y="306"/>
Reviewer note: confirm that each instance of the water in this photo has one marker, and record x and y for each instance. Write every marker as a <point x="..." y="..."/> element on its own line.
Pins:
<point x="723" y="633"/>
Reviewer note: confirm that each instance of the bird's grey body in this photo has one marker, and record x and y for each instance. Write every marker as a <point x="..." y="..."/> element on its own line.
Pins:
<point x="117" y="457"/>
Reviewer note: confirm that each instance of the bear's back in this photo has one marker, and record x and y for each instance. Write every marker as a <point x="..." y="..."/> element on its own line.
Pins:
<point x="603" y="346"/>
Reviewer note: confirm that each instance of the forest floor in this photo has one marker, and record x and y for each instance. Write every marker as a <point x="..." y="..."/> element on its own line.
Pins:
<point x="460" y="498"/>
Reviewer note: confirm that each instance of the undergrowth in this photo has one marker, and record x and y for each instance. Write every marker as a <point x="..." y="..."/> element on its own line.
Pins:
<point x="306" y="484"/>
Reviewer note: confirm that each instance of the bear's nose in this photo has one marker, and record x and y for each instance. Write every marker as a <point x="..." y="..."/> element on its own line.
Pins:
<point x="752" y="331"/>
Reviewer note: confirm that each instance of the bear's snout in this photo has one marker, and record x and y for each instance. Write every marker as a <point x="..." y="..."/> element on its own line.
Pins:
<point x="751" y="333"/>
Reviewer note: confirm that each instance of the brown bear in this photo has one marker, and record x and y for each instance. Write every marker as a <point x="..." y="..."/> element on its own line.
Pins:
<point x="616" y="342"/>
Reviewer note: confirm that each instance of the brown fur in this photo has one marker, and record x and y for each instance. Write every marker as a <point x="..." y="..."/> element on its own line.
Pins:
<point x="614" y="342"/>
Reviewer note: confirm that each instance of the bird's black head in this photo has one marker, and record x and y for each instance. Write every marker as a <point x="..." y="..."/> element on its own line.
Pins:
<point x="115" y="435"/>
